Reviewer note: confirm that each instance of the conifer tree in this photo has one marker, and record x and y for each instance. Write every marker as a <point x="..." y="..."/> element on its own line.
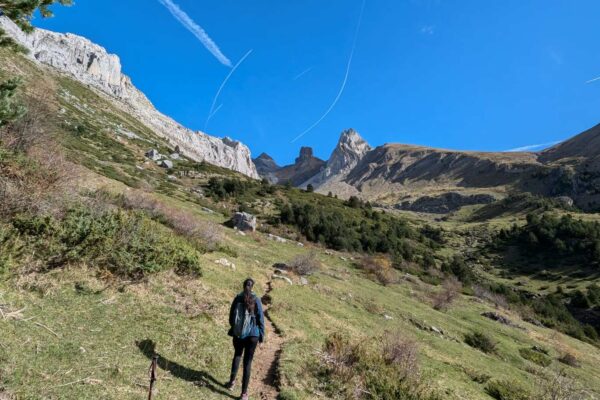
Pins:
<point x="21" y="12"/>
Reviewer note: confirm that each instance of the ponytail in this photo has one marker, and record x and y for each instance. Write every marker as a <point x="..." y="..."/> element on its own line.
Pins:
<point x="249" y="300"/>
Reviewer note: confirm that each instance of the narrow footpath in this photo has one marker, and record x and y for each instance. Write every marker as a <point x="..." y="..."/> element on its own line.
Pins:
<point x="266" y="360"/>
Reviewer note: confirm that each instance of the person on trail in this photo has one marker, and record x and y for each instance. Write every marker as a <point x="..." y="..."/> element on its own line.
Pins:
<point x="247" y="323"/>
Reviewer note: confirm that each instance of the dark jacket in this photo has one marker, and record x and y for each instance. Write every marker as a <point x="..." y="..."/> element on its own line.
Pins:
<point x="259" y="330"/>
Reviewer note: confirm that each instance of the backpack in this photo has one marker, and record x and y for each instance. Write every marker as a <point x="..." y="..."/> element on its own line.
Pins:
<point x="244" y="321"/>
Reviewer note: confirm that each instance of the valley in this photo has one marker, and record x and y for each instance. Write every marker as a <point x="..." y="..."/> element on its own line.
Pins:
<point x="403" y="272"/>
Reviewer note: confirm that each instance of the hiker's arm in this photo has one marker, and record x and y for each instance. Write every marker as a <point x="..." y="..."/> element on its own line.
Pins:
<point x="232" y="313"/>
<point x="260" y="320"/>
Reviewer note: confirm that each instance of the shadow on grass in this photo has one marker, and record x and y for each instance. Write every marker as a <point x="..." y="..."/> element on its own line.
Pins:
<point x="200" y="378"/>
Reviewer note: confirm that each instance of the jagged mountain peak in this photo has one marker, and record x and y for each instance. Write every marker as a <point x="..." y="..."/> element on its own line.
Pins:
<point x="264" y="156"/>
<point x="351" y="147"/>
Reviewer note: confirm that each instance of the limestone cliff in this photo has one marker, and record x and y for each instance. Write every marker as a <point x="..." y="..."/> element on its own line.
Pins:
<point x="92" y="65"/>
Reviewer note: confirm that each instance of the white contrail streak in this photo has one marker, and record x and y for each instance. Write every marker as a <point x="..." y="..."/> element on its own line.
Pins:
<point x="212" y="111"/>
<point x="213" y="114"/>
<point x="196" y="29"/>
<point x="337" y="98"/>
<point x="593" y="80"/>
<point x="533" y="147"/>
<point x="301" y="74"/>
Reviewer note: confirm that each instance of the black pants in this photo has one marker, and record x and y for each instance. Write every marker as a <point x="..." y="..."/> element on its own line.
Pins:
<point x="247" y="347"/>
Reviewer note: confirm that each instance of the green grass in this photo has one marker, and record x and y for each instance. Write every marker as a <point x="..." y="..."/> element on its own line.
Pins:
<point x="76" y="332"/>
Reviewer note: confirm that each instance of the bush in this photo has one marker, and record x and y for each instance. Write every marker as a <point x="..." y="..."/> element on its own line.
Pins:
<point x="507" y="390"/>
<point x="570" y="360"/>
<point x="209" y="234"/>
<point x="379" y="267"/>
<point x="451" y="288"/>
<point x="366" y="369"/>
<point x="481" y="342"/>
<point x="535" y="356"/>
<point x="124" y="243"/>
<point x="305" y="264"/>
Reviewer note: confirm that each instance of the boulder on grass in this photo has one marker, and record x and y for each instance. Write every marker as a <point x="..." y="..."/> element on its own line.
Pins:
<point x="166" y="164"/>
<point x="244" y="221"/>
<point x="153" y="154"/>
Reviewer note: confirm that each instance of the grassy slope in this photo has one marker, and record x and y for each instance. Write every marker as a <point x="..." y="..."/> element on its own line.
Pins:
<point x="94" y="351"/>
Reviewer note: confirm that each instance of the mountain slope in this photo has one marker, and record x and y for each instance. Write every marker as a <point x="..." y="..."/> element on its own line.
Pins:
<point x="92" y="65"/>
<point x="395" y="174"/>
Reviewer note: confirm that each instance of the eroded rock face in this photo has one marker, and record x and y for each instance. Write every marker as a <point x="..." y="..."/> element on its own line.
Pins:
<point x="92" y="65"/>
<point x="351" y="148"/>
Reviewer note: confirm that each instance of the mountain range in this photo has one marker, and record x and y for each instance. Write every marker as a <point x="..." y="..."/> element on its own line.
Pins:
<point x="398" y="175"/>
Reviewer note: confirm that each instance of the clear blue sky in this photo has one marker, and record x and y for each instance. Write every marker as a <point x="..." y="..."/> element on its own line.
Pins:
<point x="464" y="74"/>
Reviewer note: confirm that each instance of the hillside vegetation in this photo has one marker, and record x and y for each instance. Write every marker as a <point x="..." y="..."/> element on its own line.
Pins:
<point x="107" y="259"/>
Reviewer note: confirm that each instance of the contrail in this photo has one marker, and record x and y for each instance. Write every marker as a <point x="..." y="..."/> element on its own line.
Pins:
<point x="212" y="111"/>
<point x="593" y="80"/>
<point x="212" y="114"/>
<point x="533" y="147"/>
<point x="301" y="74"/>
<point x="337" y="98"/>
<point x="197" y="30"/>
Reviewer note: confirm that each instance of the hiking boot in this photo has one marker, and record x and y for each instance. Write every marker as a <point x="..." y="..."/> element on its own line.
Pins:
<point x="245" y="397"/>
<point x="230" y="385"/>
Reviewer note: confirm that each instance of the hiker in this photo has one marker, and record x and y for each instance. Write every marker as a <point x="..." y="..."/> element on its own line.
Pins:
<point x="248" y="329"/>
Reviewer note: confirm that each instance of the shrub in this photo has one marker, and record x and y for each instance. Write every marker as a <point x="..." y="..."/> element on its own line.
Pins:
<point x="570" y="360"/>
<point x="380" y="267"/>
<point x="403" y="353"/>
<point x="305" y="264"/>
<point x="450" y="291"/>
<point x="124" y="243"/>
<point x="366" y="369"/>
<point x="507" y="390"/>
<point x="183" y="222"/>
<point x="536" y="356"/>
<point x="481" y="342"/>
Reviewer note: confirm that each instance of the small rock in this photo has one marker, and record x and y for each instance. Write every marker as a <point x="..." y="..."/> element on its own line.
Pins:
<point x="329" y="252"/>
<point x="175" y="156"/>
<point x="387" y="317"/>
<point x="225" y="262"/>
<point x="153" y="154"/>
<point x="436" y="330"/>
<point x="300" y="244"/>
<point x="343" y="258"/>
<point x="281" y="272"/>
<point x="165" y="164"/>
<point x="280" y="266"/>
<point x="171" y="177"/>
<point x="276" y="238"/>
<point x="303" y="281"/>
<point x="283" y="278"/>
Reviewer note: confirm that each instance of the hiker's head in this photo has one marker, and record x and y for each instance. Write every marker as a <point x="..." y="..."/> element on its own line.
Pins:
<point x="248" y="297"/>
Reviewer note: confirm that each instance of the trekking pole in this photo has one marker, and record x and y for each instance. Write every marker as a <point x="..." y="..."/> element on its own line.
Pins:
<point x="152" y="372"/>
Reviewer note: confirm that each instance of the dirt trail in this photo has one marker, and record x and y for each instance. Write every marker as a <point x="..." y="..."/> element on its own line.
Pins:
<point x="266" y="361"/>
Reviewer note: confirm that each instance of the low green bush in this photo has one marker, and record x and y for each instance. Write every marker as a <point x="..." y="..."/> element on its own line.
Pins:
<point x="507" y="390"/>
<point x="481" y="342"/>
<point x="124" y="243"/>
<point x="535" y="356"/>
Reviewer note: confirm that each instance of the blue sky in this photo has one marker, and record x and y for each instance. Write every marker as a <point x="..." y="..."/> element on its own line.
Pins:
<point x="464" y="74"/>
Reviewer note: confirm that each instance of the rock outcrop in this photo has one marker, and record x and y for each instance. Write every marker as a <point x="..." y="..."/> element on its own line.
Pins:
<point x="351" y="148"/>
<point x="92" y="65"/>
<point x="243" y="221"/>
<point x="305" y="166"/>
<point x="266" y="167"/>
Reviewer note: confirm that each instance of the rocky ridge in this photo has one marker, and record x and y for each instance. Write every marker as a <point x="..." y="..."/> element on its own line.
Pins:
<point x="92" y="65"/>
<point x="350" y="149"/>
